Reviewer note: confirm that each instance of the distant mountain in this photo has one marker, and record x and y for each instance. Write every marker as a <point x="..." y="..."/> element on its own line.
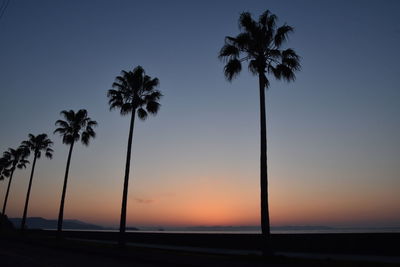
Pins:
<point x="42" y="223"/>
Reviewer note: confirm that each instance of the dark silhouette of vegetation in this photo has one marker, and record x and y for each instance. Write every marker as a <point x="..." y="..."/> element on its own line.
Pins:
<point x="75" y="126"/>
<point x="12" y="159"/>
<point x="260" y="43"/>
<point x="6" y="226"/>
<point x="133" y="92"/>
<point x="3" y="168"/>
<point x="35" y="144"/>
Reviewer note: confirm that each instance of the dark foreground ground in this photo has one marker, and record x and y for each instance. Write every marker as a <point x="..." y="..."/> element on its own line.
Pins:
<point x="37" y="250"/>
<point x="382" y="244"/>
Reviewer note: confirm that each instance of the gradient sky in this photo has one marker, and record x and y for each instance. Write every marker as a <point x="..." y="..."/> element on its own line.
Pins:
<point x="334" y="134"/>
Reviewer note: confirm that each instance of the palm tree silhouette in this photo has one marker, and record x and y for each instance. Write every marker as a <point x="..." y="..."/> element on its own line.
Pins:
<point x="12" y="159"/>
<point x="4" y="165"/>
<point x="76" y="126"/>
<point x="133" y="92"/>
<point x="260" y="42"/>
<point x="35" y="144"/>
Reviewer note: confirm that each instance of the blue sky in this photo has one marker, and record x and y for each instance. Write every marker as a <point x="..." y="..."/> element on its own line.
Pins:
<point x="333" y="134"/>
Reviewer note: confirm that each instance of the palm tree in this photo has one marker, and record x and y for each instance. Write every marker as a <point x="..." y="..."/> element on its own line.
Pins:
<point x="4" y="163"/>
<point x="133" y="92"/>
<point x="12" y="159"/>
<point x="35" y="144"/>
<point x="260" y="43"/>
<point x="76" y="126"/>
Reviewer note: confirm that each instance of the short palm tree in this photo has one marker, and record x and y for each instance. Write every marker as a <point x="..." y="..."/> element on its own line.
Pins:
<point x="37" y="145"/>
<point x="75" y="126"/>
<point x="4" y="164"/>
<point x="133" y="92"/>
<point x="260" y="43"/>
<point x="12" y="159"/>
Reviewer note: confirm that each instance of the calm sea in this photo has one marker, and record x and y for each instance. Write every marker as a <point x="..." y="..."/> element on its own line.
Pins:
<point x="325" y="231"/>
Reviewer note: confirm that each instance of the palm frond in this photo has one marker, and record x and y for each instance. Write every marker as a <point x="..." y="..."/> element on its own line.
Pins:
<point x="153" y="96"/>
<point x="68" y="139"/>
<point x="281" y="34"/>
<point x="85" y="138"/>
<point x="232" y="69"/>
<point x="142" y="114"/>
<point x="149" y="84"/>
<point x="152" y="107"/>
<point x="228" y="51"/>
<point x="274" y="53"/>
<point x="243" y="41"/>
<point x="62" y="123"/>
<point x="254" y="66"/>
<point x="247" y="23"/>
<point x="92" y="123"/>
<point x="291" y="63"/>
<point x="60" y="131"/>
<point x="285" y="73"/>
<point x="68" y="114"/>
<point x="268" y="20"/>
<point x="126" y="108"/>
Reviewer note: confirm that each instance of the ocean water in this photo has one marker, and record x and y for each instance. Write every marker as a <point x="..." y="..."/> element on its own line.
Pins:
<point x="327" y="231"/>
<point x="308" y="231"/>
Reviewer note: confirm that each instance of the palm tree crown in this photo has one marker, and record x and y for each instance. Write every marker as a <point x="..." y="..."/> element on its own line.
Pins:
<point x="38" y="144"/>
<point x="76" y="126"/>
<point x="260" y="43"/>
<point x="12" y="159"/>
<point x="4" y="171"/>
<point x="134" y="90"/>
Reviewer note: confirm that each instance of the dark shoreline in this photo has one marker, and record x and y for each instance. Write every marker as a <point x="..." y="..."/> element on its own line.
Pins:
<point x="346" y="243"/>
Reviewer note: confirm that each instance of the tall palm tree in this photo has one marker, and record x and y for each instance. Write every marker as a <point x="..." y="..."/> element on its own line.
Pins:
<point x="133" y="92"/>
<point x="260" y="43"/>
<point x="12" y="159"/>
<point x="75" y="126"/>
<point x="35" y="144"/>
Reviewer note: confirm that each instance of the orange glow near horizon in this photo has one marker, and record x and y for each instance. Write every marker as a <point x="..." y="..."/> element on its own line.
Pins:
<point x="208" y="201"/>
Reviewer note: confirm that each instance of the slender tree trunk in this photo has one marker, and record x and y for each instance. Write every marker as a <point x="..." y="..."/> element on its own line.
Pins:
<point x="265" y="224"/>
<point x="122" y="225"/>
<point x="61" y="213"/>
<point x="8" y="191"/>
<point x="28" y="194"/>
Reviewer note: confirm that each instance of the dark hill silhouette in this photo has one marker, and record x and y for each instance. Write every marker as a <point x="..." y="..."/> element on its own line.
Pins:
<point x="5" y="224"/>
<point x="42" y="223"/>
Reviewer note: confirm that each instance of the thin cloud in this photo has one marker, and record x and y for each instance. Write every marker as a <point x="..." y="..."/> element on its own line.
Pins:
<point x="144" y="201"/>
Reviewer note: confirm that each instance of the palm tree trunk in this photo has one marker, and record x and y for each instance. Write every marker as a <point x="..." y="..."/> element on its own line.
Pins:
<point x="28" y="194"/>
<point x="265" y="224"/>
<point x="122" y="225"/>
<point x="61" y="213"/>
<point x="8" y="191"/>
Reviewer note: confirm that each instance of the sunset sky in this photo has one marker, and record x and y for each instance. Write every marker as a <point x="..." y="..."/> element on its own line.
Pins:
<point x="333" y="134"/>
